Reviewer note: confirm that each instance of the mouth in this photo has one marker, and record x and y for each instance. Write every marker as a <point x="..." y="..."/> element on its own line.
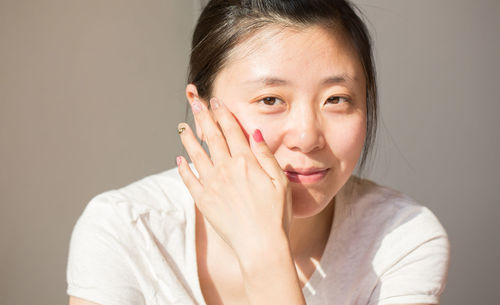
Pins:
<point x="306" y="176"/>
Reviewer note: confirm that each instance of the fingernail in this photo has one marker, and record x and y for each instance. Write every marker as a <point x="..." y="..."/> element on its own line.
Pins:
<point x="180" y="128"/>
<point x="257" y="136"/>
<point x="214" y="103"/>
<point x="178" y="160"/>
<point x="196" y="105"/>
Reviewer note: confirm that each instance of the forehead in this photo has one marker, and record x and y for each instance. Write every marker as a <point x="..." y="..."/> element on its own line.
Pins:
<point x="295" y="54"/>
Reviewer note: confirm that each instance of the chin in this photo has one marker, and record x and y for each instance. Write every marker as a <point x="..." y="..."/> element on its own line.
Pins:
<point x="307" y="203"/>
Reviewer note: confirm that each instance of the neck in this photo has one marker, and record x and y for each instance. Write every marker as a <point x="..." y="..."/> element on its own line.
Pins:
<point x="308" y="236"/>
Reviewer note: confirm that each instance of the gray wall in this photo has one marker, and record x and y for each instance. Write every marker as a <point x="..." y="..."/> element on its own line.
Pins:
<point x="439" y="74"/>
<point x="91" y="92"/>
<point x="90" y="96"/>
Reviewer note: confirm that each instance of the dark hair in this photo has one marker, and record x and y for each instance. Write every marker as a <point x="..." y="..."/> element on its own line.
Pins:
<point x="225" y="23"/>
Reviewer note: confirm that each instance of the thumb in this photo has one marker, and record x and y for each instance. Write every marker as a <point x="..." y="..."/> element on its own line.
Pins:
<point x="265" y="157"/>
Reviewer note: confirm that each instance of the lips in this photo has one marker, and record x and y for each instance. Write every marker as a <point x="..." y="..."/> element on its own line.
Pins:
<point x="306" y="176"/>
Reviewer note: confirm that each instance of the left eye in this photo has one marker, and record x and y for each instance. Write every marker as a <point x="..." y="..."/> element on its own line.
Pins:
<point x="337" y="100"/>
<point x="271" y="101"/>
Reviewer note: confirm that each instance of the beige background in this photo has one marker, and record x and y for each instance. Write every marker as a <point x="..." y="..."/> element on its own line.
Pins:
<point x="91" y="92"/>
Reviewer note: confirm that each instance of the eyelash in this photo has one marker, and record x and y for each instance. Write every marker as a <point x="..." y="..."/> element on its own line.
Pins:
<point x="332" y="98"/>
<point x="268" y="98"/>
<point x="273" y="99"/>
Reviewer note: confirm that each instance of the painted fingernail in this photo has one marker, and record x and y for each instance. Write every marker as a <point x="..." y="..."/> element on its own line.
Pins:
<point x="196" y="105"/>
<point x="257" y="136"/>
<point x="180" y="128"/>
<point x="214" y="103"/>
<point x="178" y="160"/>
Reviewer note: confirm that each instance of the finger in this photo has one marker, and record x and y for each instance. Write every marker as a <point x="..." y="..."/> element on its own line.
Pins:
<point x="196" y="153"/>
<point x="266" y="158"/>
<point x="233" y="132"/>
<point x="215" y="139"/>
<point x="190" y="180"/>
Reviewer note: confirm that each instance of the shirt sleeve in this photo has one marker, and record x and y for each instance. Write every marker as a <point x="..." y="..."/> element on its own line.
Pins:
<point x="419" y="275"/>
<point x="99" y="262"/>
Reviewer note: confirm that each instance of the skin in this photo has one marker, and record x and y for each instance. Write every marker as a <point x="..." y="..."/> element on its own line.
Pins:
<point x="267" y="230"/>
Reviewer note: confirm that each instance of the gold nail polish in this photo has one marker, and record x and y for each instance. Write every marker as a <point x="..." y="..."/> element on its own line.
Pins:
<point x="181" y="127"/>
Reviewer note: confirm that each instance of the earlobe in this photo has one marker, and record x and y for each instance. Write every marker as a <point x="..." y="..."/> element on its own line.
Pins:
<point x="191" y="94"/>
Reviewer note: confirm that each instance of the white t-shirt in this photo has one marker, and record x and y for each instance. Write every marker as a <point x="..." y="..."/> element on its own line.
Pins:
<point x="136" y="245"/>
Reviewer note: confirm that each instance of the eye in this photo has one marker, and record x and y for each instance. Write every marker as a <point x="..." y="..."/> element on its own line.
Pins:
<point x="271" y="101"/>
<point x="337" y="100"/>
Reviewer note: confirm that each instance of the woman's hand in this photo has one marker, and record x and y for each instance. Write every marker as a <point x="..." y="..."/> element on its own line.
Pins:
<point x="241" y="190"/>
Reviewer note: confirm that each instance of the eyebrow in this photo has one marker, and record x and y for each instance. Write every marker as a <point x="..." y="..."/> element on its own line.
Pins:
<point x="336" y="79"/>
<point x="275" y="81"/>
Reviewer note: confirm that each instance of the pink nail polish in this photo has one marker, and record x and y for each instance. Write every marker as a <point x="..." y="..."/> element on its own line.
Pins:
<point x="257" y="136"/>
<point x="179" y="160"/>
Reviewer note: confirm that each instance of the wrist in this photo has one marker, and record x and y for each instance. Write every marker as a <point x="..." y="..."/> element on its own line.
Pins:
<point x="270" y="275"/>
<point x="264" y="253"/>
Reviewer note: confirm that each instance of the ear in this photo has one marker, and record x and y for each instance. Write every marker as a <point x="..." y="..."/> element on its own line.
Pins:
<point x="191" y="94"/>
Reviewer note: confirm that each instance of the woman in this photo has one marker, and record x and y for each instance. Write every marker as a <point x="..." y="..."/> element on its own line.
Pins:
<point x="284" y="95"/>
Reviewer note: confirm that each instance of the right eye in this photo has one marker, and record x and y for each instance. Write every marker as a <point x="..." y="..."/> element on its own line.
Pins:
<point x="270" y="101"/>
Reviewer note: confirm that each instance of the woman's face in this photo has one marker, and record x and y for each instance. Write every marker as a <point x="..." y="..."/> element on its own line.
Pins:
<point x="305" y="90"/>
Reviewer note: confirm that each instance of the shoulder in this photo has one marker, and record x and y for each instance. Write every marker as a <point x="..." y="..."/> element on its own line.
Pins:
<point x="390" y="225"/>
<point x="389" y="210"/>
<point x="156" y="205"/>
<point x="123" y="231"/>
<point x="161" y="194"/>
<point x="407" y="247"/>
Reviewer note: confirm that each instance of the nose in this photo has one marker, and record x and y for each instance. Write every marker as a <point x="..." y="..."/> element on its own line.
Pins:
<point x="304" y="132"/>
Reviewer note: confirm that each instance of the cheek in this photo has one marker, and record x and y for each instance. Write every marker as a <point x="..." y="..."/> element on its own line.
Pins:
<point x="346" y="138"/>
<point x="272" y="135"/>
